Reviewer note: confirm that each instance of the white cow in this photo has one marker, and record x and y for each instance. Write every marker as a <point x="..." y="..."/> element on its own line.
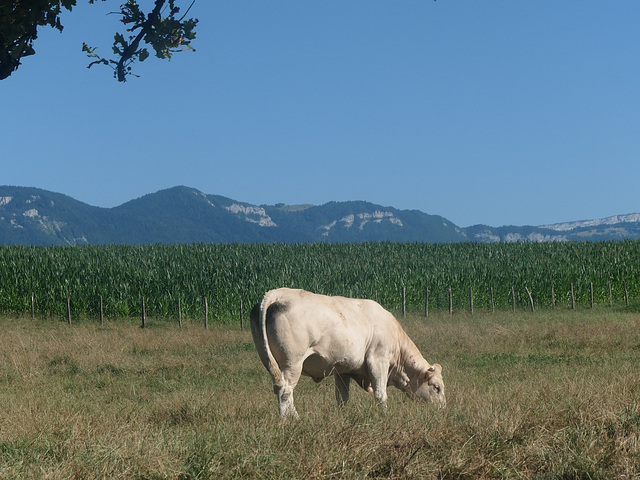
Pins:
<point x="298" y="332"/>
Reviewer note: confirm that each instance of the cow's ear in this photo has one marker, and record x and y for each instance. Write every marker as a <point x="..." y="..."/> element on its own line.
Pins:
<point x="429" y="372"/>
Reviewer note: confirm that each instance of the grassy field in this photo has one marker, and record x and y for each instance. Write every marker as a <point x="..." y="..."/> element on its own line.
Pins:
<point x="550" y="395"/>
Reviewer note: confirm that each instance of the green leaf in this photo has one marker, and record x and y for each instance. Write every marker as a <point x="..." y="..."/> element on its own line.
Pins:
<point x="119" y="38"/>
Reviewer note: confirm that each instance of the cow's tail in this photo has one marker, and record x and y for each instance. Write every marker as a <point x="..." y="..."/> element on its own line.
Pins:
<point x="269" y="361"/>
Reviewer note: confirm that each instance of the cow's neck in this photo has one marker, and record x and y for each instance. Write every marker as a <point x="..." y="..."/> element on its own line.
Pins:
<point x="409" y="365"/>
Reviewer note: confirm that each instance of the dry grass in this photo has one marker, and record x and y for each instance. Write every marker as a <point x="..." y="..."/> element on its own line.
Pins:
<point x="554" y="395"/>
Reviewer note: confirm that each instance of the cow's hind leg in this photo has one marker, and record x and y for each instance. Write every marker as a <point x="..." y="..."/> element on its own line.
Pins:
<point x="285" y="401"/>
<point x="342" y="388"/>
<point x="284" y="392"/>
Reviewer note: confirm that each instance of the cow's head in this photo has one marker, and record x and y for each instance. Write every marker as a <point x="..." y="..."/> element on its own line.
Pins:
<point x="430" y="387"/>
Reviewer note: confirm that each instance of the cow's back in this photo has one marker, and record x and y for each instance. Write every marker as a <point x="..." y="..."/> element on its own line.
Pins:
<point x="331" y="333"/>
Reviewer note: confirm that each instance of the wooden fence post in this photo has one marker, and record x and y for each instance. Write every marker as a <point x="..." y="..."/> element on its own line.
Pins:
<point x="426" y="302"/>
<point x="530" y="298"/>
<point x="144" y="315"/>
<point x="493" y="304"/>
<point x="404" y="302"/>
<point x="573" y="299"/>
<point x="626" y="293"/>
<point x="33" y="306"/>
<point x="68" y="310"/>
<point x="179" y="314"/>
<point x="206" y="314"/>
<point x="471" y="299"/>
<point x="241" y="317"/>
<point x="450" y="302"/>
<point x="591" y="293"/>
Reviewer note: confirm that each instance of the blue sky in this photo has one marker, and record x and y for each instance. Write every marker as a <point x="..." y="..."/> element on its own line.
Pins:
<point x="500" y="112"/>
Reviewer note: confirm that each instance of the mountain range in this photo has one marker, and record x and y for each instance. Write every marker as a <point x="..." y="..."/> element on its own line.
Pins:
<point x="32" y="216"/>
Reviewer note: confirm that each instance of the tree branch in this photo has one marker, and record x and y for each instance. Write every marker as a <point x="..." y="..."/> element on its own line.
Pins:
<point x="145" y="28"/>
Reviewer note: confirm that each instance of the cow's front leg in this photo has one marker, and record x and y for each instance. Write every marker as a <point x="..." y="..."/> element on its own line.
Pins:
<point x="342" y="388"/>
<point x="380" y="392"/>
<point x="379" y="378"/>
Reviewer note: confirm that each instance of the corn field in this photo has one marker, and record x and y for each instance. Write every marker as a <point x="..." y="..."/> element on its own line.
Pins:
<point x="227" y="274"/>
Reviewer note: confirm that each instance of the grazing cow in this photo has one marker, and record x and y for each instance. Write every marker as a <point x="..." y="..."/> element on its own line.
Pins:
<point x="298" y="332"/>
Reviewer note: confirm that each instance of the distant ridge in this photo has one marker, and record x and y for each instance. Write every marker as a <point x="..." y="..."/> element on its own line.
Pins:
<point x="32" y="216"/>
<point x="614" y="220"/>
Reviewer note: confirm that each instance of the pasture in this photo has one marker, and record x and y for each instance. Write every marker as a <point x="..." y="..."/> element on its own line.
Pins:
<point x="546" y="395"/>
